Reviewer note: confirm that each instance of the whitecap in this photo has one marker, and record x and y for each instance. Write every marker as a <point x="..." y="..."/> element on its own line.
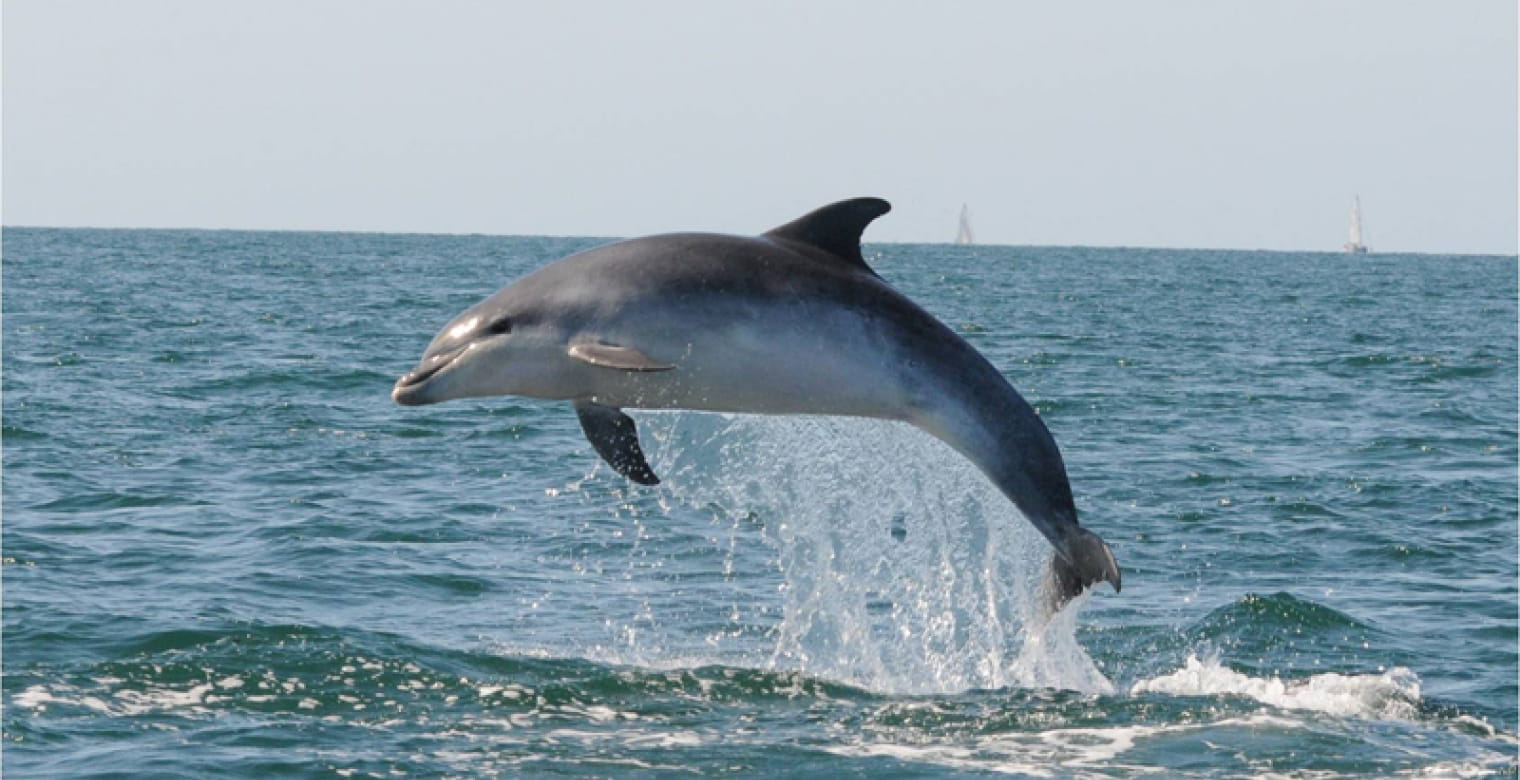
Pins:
<point x="1391" y="695"/>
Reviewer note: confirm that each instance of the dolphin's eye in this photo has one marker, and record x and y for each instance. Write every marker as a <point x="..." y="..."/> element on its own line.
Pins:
<point x="499" y="326"/>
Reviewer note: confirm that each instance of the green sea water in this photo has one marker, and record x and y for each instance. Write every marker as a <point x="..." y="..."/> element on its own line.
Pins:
<point x="227" y="553"/>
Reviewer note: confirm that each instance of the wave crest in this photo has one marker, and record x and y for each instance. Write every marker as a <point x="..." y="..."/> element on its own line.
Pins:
<point x="1391" y="695"/>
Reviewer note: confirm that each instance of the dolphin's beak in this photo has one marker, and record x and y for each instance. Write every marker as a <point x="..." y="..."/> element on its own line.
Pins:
<point x="412" y="388"/>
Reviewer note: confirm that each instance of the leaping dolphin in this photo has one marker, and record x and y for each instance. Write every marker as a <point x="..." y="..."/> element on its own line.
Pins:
<point x="790" y="322"/>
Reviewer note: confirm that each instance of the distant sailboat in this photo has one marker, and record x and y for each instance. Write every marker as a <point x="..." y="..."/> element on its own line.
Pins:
<point x="963" y="236"/>
<point x="1355" y="245"/>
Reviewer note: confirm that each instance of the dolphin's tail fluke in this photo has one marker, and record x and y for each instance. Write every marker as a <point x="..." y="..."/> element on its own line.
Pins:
<point x="1091" y="563"/>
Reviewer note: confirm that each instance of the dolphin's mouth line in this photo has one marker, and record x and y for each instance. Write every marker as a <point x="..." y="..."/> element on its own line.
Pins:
<point x="430" y="368"/>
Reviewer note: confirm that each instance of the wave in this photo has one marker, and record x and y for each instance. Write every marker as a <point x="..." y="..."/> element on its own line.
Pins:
<point x="1430" y="368"/>
<point x="489" y="711"/>
<point x="1394" y="694"/>
<point x="286" y="379"/>
<point x="304" y="670"/>
<point x="16" y="433"/>
<point x="295" y="668"/>
<point x="108" y="500"/>
<point x="1276" y="612"/>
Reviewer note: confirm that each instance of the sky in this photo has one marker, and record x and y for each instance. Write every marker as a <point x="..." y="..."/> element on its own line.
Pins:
<point x="1165" y="123"/>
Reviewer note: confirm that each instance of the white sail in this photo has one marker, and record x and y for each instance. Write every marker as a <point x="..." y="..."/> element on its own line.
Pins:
<point x="963" y="235"/>
<point x="1354" y="245"/>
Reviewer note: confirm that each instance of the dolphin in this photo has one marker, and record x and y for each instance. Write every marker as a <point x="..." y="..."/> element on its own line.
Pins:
<point x="790" y="322"/>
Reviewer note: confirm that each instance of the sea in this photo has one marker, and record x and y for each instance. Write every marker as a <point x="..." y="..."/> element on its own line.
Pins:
<point x="228" y="553"/>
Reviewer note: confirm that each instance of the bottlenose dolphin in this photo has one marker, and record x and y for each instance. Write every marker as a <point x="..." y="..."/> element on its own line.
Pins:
<point x="790" y="322"/>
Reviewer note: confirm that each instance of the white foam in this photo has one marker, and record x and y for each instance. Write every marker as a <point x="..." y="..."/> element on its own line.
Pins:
<point x="1479" y="724"/>
<point x="1063" y="752"/>
<point x="37" y="697"/>
<point x="1392" y="695"/>
<point x="667" y="739"/>
<point x="122" y="702"/>
<point x="1457" y="770"/>
<point x="157" y="699"/>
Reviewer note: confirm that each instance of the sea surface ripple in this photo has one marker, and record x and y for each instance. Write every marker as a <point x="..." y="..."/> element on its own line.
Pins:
<point x="228" y="553"/>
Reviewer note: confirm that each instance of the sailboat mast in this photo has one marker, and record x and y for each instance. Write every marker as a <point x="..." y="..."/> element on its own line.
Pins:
<point x="1354" y="245"/>
<point x="963" y="232"/>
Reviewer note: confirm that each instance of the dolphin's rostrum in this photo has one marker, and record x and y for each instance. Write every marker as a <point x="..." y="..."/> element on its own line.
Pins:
<point x="790" y="322"/>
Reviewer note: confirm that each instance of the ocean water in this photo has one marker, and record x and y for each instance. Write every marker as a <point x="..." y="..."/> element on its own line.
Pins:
<point x="228" y="553"/>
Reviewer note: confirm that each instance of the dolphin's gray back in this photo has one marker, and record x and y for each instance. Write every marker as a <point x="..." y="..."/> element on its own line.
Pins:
<point x="696" y="287"/>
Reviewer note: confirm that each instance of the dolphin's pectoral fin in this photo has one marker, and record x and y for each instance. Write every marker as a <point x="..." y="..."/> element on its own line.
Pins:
<point x="599" y="353"/>
<point x="1091" y="563"/>
<point x="614" y="437"/>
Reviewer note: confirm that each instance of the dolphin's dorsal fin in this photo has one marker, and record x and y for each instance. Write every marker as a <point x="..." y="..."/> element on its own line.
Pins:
<point x="835" y="228"/>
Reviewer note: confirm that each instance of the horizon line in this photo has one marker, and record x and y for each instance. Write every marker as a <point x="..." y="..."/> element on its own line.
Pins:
<point x="472" y="234"/>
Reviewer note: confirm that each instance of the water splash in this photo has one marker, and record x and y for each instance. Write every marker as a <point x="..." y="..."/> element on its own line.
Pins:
<point x="1393" y="694"/>
<point x="905" y="570"/>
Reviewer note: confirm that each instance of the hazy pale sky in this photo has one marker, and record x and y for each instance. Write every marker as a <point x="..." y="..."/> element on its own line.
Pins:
<point x="1165" y="123"/>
